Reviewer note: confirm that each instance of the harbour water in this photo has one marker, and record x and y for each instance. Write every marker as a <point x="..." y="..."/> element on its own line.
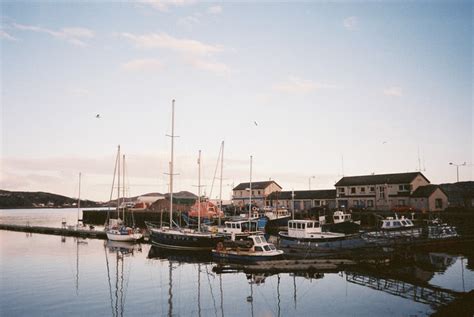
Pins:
<point x="54" y="276"/>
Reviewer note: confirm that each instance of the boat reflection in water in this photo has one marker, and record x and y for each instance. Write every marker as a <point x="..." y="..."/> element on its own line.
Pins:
<point x="116" y="253"/>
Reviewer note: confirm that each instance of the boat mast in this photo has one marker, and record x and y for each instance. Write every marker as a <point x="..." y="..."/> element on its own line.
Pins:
<point x="118" y="184"/>
<point x="220" y="184"/>
<point x="79" y="199"/>
<point x="171" y="164"/>
<point x="199" y="191"/>
<point x="123" y="187"/>
<point x="250" y="191"/>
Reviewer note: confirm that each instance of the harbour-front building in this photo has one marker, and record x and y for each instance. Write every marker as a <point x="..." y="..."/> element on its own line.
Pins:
<point x="304" y="199"/>
<point x="390" y="191"/>
<point x="260" y="193"/>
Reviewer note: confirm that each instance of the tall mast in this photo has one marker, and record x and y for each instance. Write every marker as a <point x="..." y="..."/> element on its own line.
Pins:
<point x="123" y="187"/>
<point x="79" y="199"/>
<point x="171" y="164"/>
<point x="118" y="184"/>
<point x="199" y="191"/>
<point x="220" y="185"/>
<point x="250" y="195"/>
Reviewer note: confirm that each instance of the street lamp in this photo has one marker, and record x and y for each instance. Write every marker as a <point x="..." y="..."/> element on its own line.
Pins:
<point x="457" y="169"/>
<point x="309" y="181"/>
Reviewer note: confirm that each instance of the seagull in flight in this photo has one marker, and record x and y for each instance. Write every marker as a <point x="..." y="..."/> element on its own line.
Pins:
<point x="384" y="142"/>
<point x="97" y="116"/>
<point x="255" y="122"/>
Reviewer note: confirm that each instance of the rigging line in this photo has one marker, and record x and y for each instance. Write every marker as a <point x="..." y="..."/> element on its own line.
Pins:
<point x="212" y="293"/>
<point x="112" y="190"/>
<point x="108" y="278"/>
<point x="222" y="295"/>
<point x="215" y="172"/>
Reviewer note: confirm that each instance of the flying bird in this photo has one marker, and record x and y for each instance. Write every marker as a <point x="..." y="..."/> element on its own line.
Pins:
<point x="97" y="116"/>
<point x="255" y="122"/>
<point x="384" y="142"/>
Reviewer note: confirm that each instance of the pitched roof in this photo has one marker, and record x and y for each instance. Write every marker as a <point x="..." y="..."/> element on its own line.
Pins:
<point x="256" y="185"/>
<point x="426" y="191"/>
<point x="304" y="194"/>
<point x="397" y="178"/>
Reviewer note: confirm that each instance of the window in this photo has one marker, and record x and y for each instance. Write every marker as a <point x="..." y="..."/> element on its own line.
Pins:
<point x="400" y="187"/>
<point x="341" y="190"/>
<point x="353" y="190"/>
<point x="317" y="203"/>
<point x="298" y="225"/>
<point x="258" y="249"/>
<point x="303" y="225"/>
<point x="438" y="203"/>
<point x="362" y="190"/>
<point x="258" y="192"/>
<point x="370" y="203"/>
<point x="310" y="225"/>
<point x="356" y="203"/>
<point x="266" y="247"/>
<point x="372" y="189"/>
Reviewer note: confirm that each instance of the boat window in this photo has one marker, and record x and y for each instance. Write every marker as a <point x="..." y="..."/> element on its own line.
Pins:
<point x="258" y="240"/>
<point x="387" y="224"/>
<point x="298" y="225"/>
<point x="266" y="247"/>
<point x="228" y="225"/>
<point x="404" y="222"/>
<point x="409" y="222"/>
<point x="237" y="225"/>
<point x="336" y="217"/>
<point x="258" y="249"/>
<point x="303" y="225"/>
<point x="310" y="225"/>
<point x="272" y="247"/>
<point x="397" y="223"/>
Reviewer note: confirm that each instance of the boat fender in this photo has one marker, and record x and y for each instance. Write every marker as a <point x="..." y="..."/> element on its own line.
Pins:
<point x="254" y="209"/>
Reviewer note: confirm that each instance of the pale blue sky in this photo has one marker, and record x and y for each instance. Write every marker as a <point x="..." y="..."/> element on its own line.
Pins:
<point x="370" y="81"/>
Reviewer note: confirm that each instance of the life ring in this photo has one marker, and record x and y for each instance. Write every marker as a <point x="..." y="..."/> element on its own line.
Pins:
<point x="254" y="208"/>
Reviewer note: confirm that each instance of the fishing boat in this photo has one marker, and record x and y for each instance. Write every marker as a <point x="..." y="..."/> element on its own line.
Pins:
<point x="257" y="215"/>
<point x="277" y="217"/>
<point x="238" y="228"/>
<point x="117" y="229"/>
<point x="309" y="230"/>
<point x="394" y="227"/>
<point x="173" y="236"/>
<point x="342" y="222"/>
<point x="253" y="248"/>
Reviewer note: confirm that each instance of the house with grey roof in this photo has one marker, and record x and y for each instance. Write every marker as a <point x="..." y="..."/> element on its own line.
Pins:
<point x="260" y="192"/>
<point x="389" y="191"/>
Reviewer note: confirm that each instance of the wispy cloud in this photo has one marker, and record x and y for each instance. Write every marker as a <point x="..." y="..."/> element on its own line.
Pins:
<point x="163" y="40"/>
<point x="214" y="67"/>
<point x="74" y="35"/>
<point x="5" y="36"/>
<point x="214" y="10"/>
<point x="149" y="64"/>
<point x="165" y="5"/>
<point x="299" y="85"/>
<point x="394" y="91"/>
<point x="190" y="20"/>
<point x="351" y="23"/>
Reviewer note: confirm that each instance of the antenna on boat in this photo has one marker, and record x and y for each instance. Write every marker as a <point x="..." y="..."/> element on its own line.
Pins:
<point x="250" y="191"/>
<point x="199" y="192"/>
<point x="172" y="136"/>
<point x="118" y="184"/>
<point x="220" y="184"/>
<point x="79" y="200"/>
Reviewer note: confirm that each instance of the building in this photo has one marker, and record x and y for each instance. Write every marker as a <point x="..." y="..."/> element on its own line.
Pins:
<point x="304" y="199"/>
<point x="429" y="198"/>
<point x="260" y="192"/>
<point x="388" y="191"/>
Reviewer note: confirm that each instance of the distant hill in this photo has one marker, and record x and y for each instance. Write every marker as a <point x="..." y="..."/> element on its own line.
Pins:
<point x="11" y="199"/>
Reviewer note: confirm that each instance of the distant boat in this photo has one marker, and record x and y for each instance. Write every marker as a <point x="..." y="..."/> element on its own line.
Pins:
<point x="239" y="228"/>
<point x="390" y="228"/>
<point x="308" y="230"/>
<point x="342" y="222"/>
<point x="117" y="229"/>
<point x="278" y="217"/>
<point x="173" y="236"/>
<point x="251" y="249"/>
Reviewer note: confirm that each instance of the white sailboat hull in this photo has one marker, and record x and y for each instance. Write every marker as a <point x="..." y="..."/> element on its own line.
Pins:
<point x="124" y="237"/>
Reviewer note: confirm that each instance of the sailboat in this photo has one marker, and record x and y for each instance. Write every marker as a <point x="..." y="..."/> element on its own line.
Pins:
<point x="173" y="236"/>
<point x="116" y="229"/>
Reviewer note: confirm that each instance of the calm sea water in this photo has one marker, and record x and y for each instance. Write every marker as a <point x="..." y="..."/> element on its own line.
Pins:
<point x="45" y="275"/>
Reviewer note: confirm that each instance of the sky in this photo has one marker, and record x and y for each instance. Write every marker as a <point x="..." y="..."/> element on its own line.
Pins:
<point x="312" y="90"/>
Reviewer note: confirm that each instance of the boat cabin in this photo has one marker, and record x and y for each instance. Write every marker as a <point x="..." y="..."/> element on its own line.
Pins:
<point x="339" y="216"/>
<point x="239" y="227"/>
<point x="396" y="223"/>
<point x="303" y="228"/>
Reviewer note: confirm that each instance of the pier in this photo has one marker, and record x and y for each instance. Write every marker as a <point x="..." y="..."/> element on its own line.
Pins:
<point x="73" y="232"/>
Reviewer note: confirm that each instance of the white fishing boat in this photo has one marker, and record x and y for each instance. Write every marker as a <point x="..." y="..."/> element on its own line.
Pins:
<point x="253" y="248"/>
<point x="117" y="229"/>
<point x="239" y="227"/>
<point x="394" y="227"/>
<point x="308" y="230"/>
